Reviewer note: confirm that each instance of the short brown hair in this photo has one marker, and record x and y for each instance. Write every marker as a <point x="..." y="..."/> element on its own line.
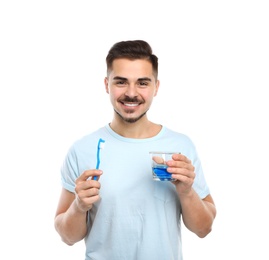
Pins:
<point x="136" y="49"/>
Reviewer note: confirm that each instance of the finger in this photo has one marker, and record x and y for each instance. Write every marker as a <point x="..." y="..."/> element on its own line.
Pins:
<point x="182" y="171"/>
<point x="181" y="157"/>
<point x="184" y="179"/>
<point x="158" y="159"/>
<point x="88" y="192"/>
<point x="87" y="189"/>
<point x="91" y="200"/>
<point x="176" y="165"/>
<point x="87" y="184"/>
<point x="89" y="173"/>
<point x="85" y="202"/>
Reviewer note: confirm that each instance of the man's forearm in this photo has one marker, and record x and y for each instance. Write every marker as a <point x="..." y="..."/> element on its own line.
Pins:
<point x="71" y="225"/>
<point x="198" y="215"/>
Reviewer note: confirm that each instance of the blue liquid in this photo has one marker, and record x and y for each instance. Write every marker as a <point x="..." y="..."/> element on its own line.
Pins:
<point x="161" y="173"/>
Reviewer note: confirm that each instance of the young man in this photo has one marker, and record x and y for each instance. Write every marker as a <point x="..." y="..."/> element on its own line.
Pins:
<point x="120" y="211"/>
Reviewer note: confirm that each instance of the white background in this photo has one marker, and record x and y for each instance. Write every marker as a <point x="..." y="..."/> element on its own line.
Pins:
<point x="213" y="69"/>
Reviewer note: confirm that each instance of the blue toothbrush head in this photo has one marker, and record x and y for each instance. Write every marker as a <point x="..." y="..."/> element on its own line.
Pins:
<point x="101" y="144"/>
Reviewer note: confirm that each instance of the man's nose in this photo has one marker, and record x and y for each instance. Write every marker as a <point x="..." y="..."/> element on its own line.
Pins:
<point x="131" y="90"/>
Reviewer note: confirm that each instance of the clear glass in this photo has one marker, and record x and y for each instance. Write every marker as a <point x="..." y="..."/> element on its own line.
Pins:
<point x="159" y="166"/>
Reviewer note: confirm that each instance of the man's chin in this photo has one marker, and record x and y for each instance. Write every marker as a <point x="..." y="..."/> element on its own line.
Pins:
<point x="130" y="119"/>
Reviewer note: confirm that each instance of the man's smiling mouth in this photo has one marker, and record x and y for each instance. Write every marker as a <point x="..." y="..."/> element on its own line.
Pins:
<point x="130" y="104"/>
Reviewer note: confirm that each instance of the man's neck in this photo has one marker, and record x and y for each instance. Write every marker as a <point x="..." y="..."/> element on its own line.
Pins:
<point x="141" y="129"/>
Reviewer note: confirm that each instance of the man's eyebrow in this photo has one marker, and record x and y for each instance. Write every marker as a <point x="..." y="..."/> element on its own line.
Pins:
<point x="144" y="79"/>
<point x="119" y="78"/>
<point x="140" y="79"/>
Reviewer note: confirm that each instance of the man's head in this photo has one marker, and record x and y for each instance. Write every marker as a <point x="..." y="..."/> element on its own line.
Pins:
<point x="131" y="80"/>
<point x="132" y="50"/>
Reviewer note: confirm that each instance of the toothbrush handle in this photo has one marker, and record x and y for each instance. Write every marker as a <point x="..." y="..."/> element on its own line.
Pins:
<point x="97" y="165"/>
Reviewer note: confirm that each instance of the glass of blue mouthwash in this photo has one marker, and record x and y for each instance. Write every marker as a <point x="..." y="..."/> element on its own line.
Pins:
<point x="159" y="167"/>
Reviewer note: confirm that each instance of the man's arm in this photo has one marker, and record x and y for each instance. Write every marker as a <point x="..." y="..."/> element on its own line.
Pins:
<point x="197" y="214"/>
<point x="71" y="214"/>
<point x="70" y="221"/>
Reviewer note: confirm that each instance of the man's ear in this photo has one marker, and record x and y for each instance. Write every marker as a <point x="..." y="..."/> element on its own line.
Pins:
<point x="157" y="88"/>
<point x="106" y="85"/>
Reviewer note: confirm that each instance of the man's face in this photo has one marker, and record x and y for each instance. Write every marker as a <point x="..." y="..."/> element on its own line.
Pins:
<point x="131" y="86"/>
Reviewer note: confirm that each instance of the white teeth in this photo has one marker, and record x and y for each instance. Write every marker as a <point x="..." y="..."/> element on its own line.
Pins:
<point x="130" y="105"/>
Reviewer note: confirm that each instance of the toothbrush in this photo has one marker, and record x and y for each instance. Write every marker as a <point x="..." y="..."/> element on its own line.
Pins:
<point x="101" y="144"/>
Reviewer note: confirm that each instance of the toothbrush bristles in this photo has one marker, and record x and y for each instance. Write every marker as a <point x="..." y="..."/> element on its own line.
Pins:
<point x="100" y="146"/>
<point x="101" y="143"/>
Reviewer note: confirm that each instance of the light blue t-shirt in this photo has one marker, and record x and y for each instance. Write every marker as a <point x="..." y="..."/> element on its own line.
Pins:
<point x="136" y="218"/>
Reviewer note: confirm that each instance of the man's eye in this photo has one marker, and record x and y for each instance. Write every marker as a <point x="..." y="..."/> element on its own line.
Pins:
<point x="120" y="82"/>
<point x="143" y="83"/>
